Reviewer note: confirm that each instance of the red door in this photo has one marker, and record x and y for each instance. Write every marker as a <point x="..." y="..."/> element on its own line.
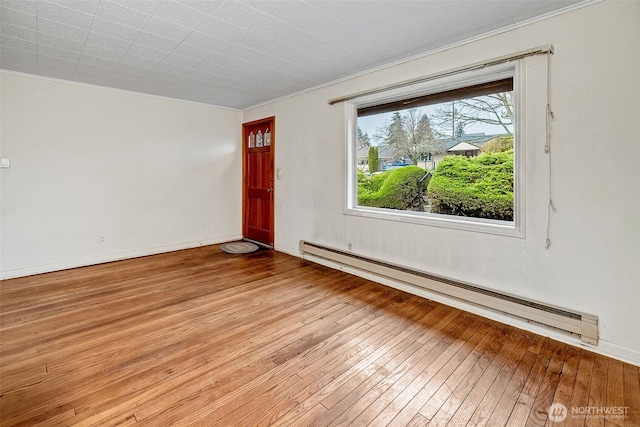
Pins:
<point x="258" y="187"/>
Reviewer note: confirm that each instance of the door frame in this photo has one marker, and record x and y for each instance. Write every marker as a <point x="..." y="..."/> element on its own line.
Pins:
<point x="245" y="151"/>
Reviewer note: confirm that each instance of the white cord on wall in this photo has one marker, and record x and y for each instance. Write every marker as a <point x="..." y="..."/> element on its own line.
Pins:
<point x="547" y="149"/>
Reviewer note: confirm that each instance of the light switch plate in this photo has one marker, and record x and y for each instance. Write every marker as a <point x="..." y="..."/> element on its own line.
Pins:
<point x="5" y="162"/>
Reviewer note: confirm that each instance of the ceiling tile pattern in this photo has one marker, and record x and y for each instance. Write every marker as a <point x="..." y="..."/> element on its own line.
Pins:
<point x="236" y="53"/>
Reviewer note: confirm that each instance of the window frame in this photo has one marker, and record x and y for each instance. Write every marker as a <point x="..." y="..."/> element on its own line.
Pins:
<point x="515" y="228"/>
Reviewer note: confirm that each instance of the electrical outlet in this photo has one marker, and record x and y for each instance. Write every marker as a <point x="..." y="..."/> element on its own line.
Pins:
<point x="101" y="240"/>
<point x="349" y="246"/>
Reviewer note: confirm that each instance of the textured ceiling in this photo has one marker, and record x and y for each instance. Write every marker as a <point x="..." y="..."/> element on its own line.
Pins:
<point x="236" y="53"/>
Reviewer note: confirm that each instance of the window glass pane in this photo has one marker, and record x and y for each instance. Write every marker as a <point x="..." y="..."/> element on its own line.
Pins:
<point x="449" y="153"/>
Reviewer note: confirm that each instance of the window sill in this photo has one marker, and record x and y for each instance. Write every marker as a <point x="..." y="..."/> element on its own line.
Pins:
<point x="476" y="225"/>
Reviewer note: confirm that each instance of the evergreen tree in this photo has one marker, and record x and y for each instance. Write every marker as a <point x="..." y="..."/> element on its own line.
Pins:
<point x="373" y="159"/>
<point x="411" y="134"/>
<point x="363" y="138"/>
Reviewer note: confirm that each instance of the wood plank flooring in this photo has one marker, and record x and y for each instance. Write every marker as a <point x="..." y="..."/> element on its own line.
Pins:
<point x="203" y="338"/>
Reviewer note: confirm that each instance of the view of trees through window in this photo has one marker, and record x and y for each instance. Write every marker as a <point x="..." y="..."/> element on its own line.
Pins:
<point x="444" y="154"/>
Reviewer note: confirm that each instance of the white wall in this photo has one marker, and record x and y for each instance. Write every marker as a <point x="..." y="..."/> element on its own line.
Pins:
<point x="593" y="264"/>
<point x="149" y="174"/>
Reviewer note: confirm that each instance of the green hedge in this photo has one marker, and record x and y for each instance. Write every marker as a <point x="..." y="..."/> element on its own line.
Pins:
<point x="498" y="144"/>
<point x="394" y="189"/>
<point x="479" y="187"/>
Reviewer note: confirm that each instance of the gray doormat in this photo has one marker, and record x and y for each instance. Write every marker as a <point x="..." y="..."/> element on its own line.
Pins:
<point x="239" y="247"/>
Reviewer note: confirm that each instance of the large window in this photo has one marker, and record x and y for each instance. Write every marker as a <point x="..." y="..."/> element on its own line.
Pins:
<point x="446" y="152"/>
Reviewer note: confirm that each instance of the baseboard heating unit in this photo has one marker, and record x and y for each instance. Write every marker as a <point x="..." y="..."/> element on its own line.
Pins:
<point x="583" y="325"/>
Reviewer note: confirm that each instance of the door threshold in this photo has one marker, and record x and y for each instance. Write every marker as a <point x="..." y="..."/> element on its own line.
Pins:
<point x="255" y="242"/>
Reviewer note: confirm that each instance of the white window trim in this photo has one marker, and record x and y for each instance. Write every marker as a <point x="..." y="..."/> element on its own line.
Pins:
<point x="515" y="228"/>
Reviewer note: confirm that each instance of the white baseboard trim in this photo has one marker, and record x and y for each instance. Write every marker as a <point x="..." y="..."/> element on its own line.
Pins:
<point x="288" y="250"/>
<point x="604" y="347"/>
<point x="65" y="265"/>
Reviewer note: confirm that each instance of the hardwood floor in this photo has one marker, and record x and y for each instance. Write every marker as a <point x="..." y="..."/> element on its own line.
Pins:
<point x="203" y="338"/>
